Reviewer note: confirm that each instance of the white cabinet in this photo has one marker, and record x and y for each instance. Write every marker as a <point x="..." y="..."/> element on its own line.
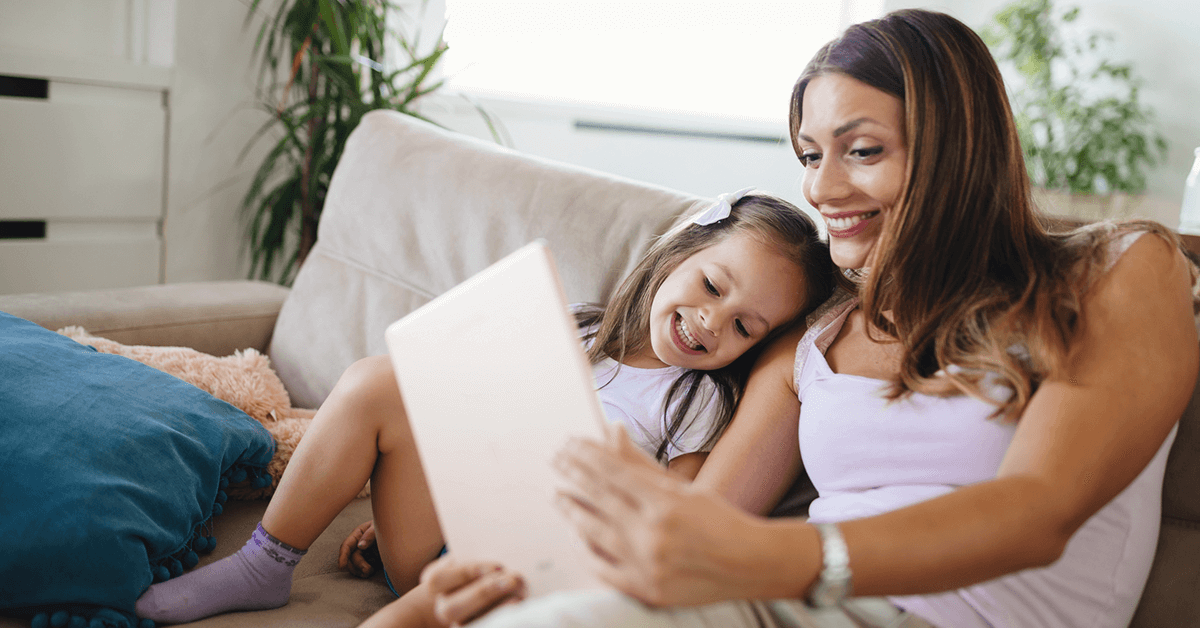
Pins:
<point x="84" y="92"/>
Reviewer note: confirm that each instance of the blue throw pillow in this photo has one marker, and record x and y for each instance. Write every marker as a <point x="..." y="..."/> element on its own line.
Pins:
<point x="109" y="473"/>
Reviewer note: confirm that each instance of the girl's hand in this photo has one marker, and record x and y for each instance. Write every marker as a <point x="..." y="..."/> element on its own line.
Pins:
<point x="358" y="553"/>
<point x="463" y="591"/>
<point x="662" y="540"/>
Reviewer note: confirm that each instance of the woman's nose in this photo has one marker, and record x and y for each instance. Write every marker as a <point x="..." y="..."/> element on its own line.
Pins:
<point x="826" y="183"/>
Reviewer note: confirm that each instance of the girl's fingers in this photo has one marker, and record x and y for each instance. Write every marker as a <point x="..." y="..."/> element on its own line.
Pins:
<point x="352" y="541"/>
<point x="446" y="574"/>
<point x="477" y="597"/>
<point x="368" y="535"/>
<point x="359" y="565"/>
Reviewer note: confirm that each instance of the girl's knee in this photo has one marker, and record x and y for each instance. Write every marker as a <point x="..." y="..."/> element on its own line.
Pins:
<point x="369" y="379"/>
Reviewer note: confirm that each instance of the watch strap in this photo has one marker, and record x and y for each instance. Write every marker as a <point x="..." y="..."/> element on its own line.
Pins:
<point x="833" y="583"/>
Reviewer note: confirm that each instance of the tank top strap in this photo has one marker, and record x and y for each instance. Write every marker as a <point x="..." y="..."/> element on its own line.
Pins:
<point x="823" y="326"/>
<point x="1119" y="241"/>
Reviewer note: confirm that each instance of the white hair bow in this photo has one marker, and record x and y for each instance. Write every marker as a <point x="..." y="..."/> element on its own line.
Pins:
<point x="719" y="210"/>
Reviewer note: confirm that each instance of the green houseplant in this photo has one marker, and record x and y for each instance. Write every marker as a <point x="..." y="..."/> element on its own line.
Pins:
<point x="323" y="64"/>
<point x="1084" y="129"/>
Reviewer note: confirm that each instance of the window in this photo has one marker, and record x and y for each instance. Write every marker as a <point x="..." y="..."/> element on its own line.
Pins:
<point x="728" y="58"/>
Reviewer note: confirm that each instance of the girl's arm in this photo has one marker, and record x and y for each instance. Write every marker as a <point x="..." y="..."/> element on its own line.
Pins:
<point x="758" y="456"/>
<point x="686" y="466"/>
<point x="1083" y="438"/>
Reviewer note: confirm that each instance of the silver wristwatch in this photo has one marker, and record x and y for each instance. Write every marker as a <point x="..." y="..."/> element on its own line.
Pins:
<point x="833" y="584"/>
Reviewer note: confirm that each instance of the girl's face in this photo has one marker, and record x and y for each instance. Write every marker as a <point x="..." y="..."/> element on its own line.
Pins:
<point x="851" y="140"/>
<point x="719" y="303"/>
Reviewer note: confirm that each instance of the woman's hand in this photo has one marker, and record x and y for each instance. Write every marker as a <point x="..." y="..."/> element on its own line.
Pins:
<point x="358" y="554"/>
<point x="665" y="542"/>
<point x="462" y="591"/>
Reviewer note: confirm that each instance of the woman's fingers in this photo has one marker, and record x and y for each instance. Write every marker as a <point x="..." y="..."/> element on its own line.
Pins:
<point x="597" y="530"/>
<point x="613" y="479"/>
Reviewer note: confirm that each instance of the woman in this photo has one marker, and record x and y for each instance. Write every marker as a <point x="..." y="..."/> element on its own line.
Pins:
<point x="984" y="414"/>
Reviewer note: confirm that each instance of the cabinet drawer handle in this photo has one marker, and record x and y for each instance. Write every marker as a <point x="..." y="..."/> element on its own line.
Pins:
<point x="22" y="229"/>
<point x="24" y="87"/>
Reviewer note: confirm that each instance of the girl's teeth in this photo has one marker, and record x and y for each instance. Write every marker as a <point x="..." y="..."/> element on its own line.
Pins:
<point x="841" y="224"/>
<point x="684" y="333"/>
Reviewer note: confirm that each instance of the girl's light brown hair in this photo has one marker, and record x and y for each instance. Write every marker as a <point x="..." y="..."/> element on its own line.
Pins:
<point x="622" y="327"/>
<point x="964" y="268"/>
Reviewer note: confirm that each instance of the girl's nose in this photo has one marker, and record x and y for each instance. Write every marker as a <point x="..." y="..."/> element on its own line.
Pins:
<point x="711" y="319"/>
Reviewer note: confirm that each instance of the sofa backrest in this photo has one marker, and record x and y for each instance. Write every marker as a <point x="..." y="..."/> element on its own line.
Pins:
<point x="413" y="210"/>
<point x="1171" y="597"/>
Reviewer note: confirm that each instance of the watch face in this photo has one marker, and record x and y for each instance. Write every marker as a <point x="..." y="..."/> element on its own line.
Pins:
<point x="827" y="594"/>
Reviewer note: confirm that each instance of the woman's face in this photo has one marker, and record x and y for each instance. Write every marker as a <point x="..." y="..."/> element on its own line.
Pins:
<point x="851" y="143"/>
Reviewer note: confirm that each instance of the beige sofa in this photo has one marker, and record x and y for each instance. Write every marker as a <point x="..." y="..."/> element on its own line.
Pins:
<point x="411" y="211"/>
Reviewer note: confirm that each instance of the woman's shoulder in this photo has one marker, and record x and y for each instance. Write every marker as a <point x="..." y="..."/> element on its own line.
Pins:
<point x="1136" y="251"/>
<point x="1141" y="263"/>
<point x="1110" y="241"/>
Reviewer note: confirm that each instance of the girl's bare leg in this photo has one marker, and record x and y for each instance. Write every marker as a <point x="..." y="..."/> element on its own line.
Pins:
<point x="359" y="433"/>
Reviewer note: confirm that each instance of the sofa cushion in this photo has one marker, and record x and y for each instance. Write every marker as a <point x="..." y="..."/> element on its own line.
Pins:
<point x="114" y="468"/>
<point x="413" y="210"/>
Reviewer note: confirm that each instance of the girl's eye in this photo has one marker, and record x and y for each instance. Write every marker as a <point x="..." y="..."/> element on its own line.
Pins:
<point x="809" y="159"/>
<point x="864" y="153"/>
<point x="708" y="285"/>
<point x="741" y="329"/>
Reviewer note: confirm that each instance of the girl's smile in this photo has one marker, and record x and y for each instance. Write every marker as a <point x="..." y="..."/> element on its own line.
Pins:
<point x="684" y="338"/>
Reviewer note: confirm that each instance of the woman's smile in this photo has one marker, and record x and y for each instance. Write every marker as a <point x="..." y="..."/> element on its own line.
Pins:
<point x="849" y="224"/>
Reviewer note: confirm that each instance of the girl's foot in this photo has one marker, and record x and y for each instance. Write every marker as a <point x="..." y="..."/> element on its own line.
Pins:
<point x="257" y="577"/>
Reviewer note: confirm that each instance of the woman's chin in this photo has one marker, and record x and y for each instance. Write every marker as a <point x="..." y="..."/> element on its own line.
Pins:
<point x="850" y="260"/>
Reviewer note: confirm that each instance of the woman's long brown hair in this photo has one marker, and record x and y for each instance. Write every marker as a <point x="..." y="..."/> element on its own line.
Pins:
<point x="964" y="269"/>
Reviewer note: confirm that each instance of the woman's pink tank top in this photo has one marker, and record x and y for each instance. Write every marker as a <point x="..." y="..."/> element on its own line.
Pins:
<point x="867" y="456"/>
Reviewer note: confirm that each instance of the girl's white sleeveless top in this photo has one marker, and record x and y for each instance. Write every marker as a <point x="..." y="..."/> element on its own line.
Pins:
<point x="867" y="456"/>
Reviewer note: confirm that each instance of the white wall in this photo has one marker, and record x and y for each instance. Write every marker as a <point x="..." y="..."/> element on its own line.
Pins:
<point x="691" y="153"/>
<point x="1161" y="38"/>
<point x="213" y="115"/>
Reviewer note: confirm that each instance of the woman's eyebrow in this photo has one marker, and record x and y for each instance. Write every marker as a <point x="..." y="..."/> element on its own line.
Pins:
<point x="841" y="130"/>
<point x="851" y="125"/>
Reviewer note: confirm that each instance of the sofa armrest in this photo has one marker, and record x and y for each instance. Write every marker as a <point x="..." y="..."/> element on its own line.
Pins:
<point x="216" y="317"/>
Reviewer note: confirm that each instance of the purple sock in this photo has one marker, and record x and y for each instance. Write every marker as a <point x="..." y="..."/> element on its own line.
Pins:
<point x="257" y="577"/>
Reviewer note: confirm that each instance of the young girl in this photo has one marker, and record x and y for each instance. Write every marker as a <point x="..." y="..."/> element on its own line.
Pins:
<point x="671" y="353"/>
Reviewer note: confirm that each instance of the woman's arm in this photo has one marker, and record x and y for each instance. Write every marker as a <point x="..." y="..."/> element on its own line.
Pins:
<point x="1083" y="438"/>
<point x="1085" y="435"/>
<point x="758" y="456"/>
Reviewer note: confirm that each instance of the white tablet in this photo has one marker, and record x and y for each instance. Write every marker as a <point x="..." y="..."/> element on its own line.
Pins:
<point x="494" y="381"/>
